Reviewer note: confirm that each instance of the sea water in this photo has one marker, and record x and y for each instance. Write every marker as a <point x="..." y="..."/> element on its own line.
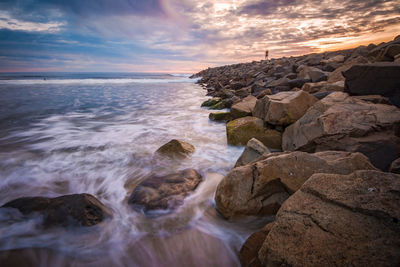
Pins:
<point x="68" y="133"/>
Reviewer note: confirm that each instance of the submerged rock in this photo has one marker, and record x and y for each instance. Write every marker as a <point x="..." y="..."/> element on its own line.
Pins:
<point x="338" y="220"/>
<point x="341" y="122"/>
<point x="240" y="131"/>
<point x="68" y="210"/>
<point x="165" y="192"/>
<point x="260" y="188"/>
<point x="253" y="150"/>
<point x="175" y="149"/>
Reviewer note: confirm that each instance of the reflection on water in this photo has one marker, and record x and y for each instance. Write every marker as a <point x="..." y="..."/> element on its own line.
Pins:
<point x="98" y="139"/>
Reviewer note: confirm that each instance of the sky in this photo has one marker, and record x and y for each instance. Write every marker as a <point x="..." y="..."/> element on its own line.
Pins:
<point x="181" y="36"/>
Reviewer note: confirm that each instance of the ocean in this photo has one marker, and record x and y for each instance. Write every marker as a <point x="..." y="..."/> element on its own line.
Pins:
<point x="68" y="133"/>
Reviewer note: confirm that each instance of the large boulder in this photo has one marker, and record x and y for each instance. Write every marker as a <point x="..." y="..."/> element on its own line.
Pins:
<point x="336" y="75"/>
<point x="164" y="192"/>
<point x="381" y="78"/>
<point x="175" y="149"/>
<point x="68" y="210"/>
<point x="260" y="188"/>
<point x="338" y="220"/>
<point x="341" y="122"/>
<point x="283" y="108"/>
<point x="243" y="108"/>
<point x="253" y="150"/>
<point x="241" y="130"/>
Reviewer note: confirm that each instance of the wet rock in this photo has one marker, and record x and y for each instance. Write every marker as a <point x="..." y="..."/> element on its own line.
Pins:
<point x="249" y="252"/>
<point x="220" y="116"/>
<point x="283" y="108"/>
<point x="395" y="166"/>
<point x="377" y="78"/>
<point x="253" y="150"/>
<point x="241" y="130"/>
<point x="338" y="220"/>
<point x="244" y="107"/>
<point x="68" y="210"/>
<point x="260" y="188"/>
<point x="341" y="122"/>
<point x="175" y="149"/>
<point x="164" y="192"/>
<point x="211" y="102"/>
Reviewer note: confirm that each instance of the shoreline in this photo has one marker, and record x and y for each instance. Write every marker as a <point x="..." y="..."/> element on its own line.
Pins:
<point x="333" y="114"/>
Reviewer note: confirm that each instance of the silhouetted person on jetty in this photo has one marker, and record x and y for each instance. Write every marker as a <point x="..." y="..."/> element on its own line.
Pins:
<point x="266" y="54"/>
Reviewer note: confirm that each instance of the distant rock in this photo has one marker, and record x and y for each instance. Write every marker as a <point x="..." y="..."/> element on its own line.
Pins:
<point x="164" y="192"/>
<point x="68" y="210"/>
<point x="338" y="220"/>
<point x="341" y="122"/>
<point x="260" y="188"/>
<point x="241" y="130"/>
<point x="175" y="149"/>
<point x="243" y="108"/>
<point x="377" y="78"/>
<point x="283" y="108"/>
<point x="253" y="150"/>
<point x="334" y="59"/>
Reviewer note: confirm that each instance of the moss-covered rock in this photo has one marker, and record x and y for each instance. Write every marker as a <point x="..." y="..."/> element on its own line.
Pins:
<point x="220" y="116"/>
<point x="211" y="102"/>
<point x="241" y="130"/>
<point x="219" y="105"/>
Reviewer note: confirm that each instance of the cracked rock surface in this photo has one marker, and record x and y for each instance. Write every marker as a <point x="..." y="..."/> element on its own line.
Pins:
<point x="338" y="220"/>
<point x="260" y="188"/>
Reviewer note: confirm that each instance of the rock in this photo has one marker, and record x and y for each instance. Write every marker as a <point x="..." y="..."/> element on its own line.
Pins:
<point x="377" y="78"/>
<point x="244" y="107"/>
<point x="338" y="220"/>
<point x="241" y="130"/>
<point x="318" y="75"/>
<point x="298" y="82"/>
<point x="334" y="59"/>
<point x="341" y="122"/>
<point x="175" y="149"/>
<point x="211" y="102"/>
<point x="219" y="105"/>
<point x="258" y="87"/>
<point x="264" y="93"/>
<point x="260" y="188"/>
<point x="283" y="108"/>
<point x="249" y="252"/>
<point x="164" y="192"/>
<point x="323" y="87"/>
<point x="220" y="116"/>
<point x="243" y="92"/>
<point x="253" y="150"/>
<point x="68" y="210"/>
<point x="392" y="51"/>
<point x="322" y="95"/>
<point x="376" y="99"/>
<point x="304" y="71"/>
<point x="336" y="75"/>
<point x="395" y="166"/>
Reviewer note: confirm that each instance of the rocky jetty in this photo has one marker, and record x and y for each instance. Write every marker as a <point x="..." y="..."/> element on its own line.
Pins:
<point x="68" y="210"/>
<point x="336" y="117"/>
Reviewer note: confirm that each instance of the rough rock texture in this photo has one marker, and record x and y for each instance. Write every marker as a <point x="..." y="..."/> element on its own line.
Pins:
<point x="323" y="87"/>
<point x="338" y="220"/>
<point x="240" y="131"/>
<point x="220" y="116"/>
<point x="164" y="192"/>
<point x="283" y="108"/>
<point x="336" y="75"/>
<point x="260" y="188"/>
<point x="395" y="166"/>
<point x="249" y="252"/>
<point x="376" y="99"/>
<point x="381" y="78"/>
<point x="254" y="149"/>
<point x="68" y="210"/>
<point x="341" y="122"/>
<point x="211" y="102"/>
<point x="244" y="107"/>
<point x="175" y="149"/>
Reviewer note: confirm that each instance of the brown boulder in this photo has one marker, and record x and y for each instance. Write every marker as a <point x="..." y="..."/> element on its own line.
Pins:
<point x="341" y="122"/>
<point x="253" y="150"/>
<point x="323" y="87"/>
<point x="164" y="192"/>
<point x="283" y="108"/>
<point x="77" y="209"/>
<point x="260" y="188"/>
<point x="244" y="107"/>
<point x="241" y="130"/>
<point x="338" y="220"/>
<point x="175" y="149"/>
<point x="336" y="75"/>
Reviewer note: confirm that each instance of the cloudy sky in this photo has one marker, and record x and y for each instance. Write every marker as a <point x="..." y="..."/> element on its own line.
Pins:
<point x="181" y="35"/>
